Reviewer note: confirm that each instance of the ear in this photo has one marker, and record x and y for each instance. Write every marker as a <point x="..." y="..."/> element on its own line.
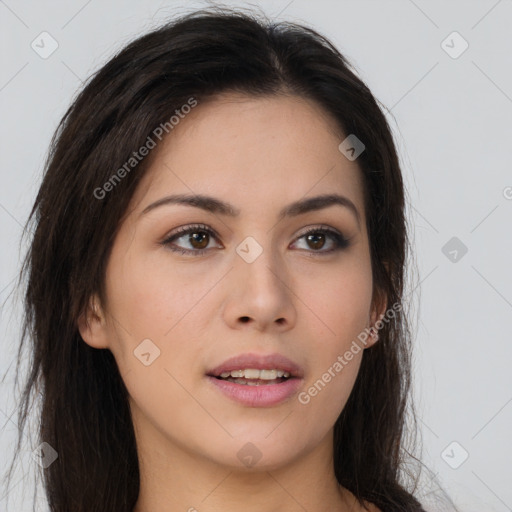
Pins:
<point x="92" y="325"/>
<point x="378" y="311"/>
<point x="379" y="302"/>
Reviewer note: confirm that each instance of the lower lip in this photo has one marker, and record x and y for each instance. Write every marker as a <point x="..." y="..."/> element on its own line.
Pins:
<point x="264" y="395"/>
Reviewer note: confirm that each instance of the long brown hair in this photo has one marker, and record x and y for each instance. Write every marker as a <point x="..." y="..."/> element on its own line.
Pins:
<point x="84" y="413"/>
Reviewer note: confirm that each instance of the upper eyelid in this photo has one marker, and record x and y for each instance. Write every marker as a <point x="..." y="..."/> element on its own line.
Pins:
<point x="184" y="229"/>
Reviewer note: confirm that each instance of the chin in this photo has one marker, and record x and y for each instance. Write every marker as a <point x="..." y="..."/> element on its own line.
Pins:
<point x="255" y="453"/>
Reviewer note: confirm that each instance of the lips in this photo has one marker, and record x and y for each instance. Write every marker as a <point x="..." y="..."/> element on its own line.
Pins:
<point x="259" y="362"/>
<point x="266" y="395"/>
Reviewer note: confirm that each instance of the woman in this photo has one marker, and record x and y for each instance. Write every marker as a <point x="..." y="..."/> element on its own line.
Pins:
<point x="215" y="282"/>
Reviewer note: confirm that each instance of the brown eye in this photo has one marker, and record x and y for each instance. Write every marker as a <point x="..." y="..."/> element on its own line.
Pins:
<point x="197" y="237"/>
<point x="316" y="240"/>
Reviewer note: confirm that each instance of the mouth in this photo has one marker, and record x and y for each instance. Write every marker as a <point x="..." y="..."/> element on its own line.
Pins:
<point x="257" y="381"/>
<point x="257" y="369"/>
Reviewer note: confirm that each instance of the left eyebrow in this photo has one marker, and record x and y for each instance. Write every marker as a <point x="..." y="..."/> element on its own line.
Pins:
<point x="216" y="206"/>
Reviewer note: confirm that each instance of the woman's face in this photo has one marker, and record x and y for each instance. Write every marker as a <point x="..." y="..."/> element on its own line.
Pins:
<point x="248" y="282"/>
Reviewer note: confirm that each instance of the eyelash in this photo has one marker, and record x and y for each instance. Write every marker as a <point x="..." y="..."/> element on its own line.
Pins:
<point x="339" y="240"/>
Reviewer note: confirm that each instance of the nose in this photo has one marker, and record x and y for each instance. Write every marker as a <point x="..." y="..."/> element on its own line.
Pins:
<point x="260" y="295"/>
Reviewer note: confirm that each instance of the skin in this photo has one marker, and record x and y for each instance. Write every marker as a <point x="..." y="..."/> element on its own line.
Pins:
<point x="259" y="154"/>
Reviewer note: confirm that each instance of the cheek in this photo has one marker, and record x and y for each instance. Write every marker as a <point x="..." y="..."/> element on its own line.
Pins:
<point x="326" y="392"/>
<point x="152" y="296"/>
<point x="337" y="306"/>
<point x="340" y="311"/>
<point x="160" y="402"/>
<point x="164" y="303"/>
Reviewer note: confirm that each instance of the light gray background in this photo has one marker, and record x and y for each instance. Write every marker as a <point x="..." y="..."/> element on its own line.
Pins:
<point x="452" y="122"/>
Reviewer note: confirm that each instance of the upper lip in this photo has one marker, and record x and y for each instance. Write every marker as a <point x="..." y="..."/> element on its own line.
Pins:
<point x="259" y="362"/>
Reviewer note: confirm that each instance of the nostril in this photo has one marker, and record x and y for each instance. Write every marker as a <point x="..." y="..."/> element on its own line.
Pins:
<point x="245" y="319"/>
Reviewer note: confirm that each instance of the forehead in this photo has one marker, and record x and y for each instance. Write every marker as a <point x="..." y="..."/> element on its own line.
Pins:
<point x="246" y="149"/>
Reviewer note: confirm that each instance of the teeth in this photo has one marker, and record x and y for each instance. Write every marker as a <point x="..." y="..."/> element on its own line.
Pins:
<point x="252" y="373"/>
<point x="252" y="382"/>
